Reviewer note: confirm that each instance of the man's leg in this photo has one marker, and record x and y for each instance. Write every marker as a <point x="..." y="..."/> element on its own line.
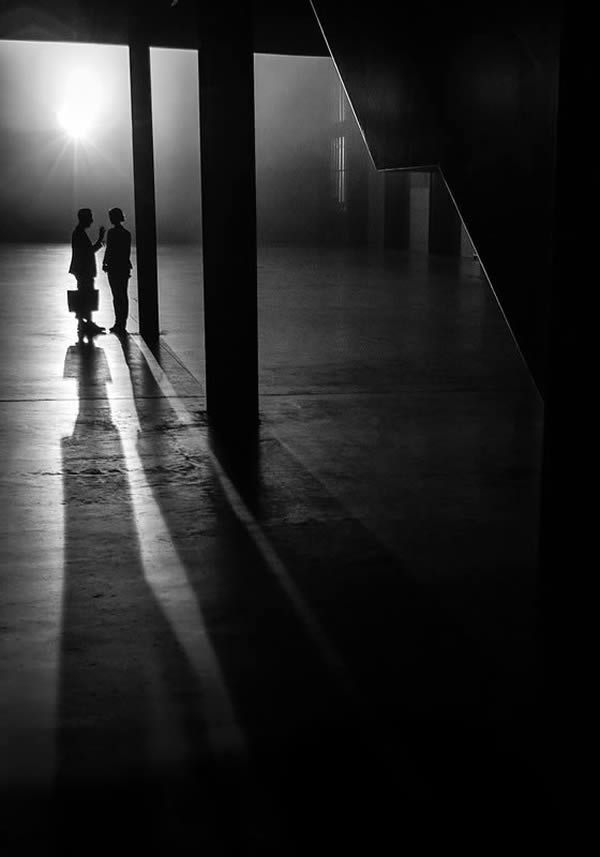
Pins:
<point x="123" y="303"/>
<point x="86" y="288"/>
<point x="118" y="285"/>
<point x="82" y="313"/>
<point x="113" y="289"/>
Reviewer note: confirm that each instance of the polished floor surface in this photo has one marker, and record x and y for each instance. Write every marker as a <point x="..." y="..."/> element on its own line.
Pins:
<point x="325" y="642"/>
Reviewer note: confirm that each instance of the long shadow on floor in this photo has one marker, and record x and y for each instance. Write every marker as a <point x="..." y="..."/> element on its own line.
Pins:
<point x="123" y="673"/>
<point x="405" y="748"/>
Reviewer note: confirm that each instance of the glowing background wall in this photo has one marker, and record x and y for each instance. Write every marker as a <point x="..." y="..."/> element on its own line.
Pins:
<point x="45" y="174"/>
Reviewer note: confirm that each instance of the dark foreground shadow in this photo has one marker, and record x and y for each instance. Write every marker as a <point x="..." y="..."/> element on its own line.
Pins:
<point x="412" y="753"/>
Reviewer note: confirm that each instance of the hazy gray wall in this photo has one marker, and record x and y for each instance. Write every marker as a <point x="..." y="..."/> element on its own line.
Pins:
<point x="295" y="100"/>
<point x="297" y="118"/>
<point x="45" y="176"/>
<point x="176" y="145"/>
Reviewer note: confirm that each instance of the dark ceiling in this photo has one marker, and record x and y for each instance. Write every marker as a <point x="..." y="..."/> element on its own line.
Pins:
<point x="288" y="27"/>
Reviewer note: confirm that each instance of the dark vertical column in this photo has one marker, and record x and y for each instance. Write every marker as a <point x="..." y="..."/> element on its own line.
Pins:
<point x="569" y="526"/>
<point x="358" y="207"/>
<point x="444" y="222"/>
<point x="420" y="182"/>
<point x="396" y="214"/>
<point x="226" y="74"/>
<point x="143" y="176"/>
<point x="376" y="209"/>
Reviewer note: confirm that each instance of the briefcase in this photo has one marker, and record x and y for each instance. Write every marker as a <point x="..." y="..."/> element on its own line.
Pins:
<point x="77" y="299"/>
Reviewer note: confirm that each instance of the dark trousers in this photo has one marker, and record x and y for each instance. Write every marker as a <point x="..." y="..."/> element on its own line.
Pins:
<point x="118" y="285"/>
<point x="85" y="287"/>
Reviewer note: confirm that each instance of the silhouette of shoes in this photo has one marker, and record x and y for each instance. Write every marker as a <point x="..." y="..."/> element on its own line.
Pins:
<point x="92" y="327"/>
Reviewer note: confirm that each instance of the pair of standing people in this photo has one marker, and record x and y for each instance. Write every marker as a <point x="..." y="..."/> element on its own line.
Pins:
<point x="116" y="263"/>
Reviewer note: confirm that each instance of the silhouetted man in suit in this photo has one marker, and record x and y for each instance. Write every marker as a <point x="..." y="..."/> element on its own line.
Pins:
<point x="117" y="264"/>
<point x="83" y="268"/>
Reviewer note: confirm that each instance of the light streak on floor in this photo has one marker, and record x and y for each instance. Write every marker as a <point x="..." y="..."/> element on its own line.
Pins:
<point x="166" y="574"/>
<point x="326" y="649"/>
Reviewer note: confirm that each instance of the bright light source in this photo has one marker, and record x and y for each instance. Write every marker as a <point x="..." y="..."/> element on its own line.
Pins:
<point x="75" y="122"/>
<point x="81" y="103"/>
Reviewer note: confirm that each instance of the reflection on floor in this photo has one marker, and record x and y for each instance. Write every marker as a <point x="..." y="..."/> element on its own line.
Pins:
<point x="326" y="642"/>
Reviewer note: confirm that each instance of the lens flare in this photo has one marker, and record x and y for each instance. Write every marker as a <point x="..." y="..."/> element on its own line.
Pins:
<point x="74" y="121"/>
<point x="80" y="105"/>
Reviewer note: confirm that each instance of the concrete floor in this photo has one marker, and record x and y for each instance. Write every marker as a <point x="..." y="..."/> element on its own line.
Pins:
<point x="330" y="642"/>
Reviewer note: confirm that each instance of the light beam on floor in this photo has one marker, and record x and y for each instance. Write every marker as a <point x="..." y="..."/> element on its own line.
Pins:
<point x="166" y="575"/>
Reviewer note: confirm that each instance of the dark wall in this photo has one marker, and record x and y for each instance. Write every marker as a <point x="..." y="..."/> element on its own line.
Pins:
<point x="500" y="111"/>
<point x="287" y="28"/>
<point x="473" y="90"/>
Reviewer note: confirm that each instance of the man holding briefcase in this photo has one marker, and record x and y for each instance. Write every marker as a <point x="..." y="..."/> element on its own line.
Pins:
<point x="83" y="268"/>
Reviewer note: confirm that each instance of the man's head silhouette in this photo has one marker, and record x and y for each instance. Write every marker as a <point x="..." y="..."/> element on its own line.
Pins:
<point x="84" y="215"/>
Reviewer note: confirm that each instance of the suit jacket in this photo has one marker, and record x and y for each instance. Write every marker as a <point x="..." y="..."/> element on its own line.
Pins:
<point x="83" y="260"/>
<point x="118" y="250"/>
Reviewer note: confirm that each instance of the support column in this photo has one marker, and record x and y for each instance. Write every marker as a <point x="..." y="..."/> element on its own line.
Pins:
<point x="569" y="525"/>
<point x="376" y="221"/>
<point x="143" y="176"/>
<point x="444" y="220"/>
<point x="226" y="76"/>
<point x="396" y="218"/>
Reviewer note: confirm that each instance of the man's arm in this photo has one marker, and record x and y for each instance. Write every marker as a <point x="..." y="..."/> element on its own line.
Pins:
<point x="107" y="252"/>
<point x="100" y="241"/>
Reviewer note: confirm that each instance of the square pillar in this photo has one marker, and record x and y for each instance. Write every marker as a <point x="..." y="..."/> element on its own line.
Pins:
<point x="226" y="77"/>
<point x="143" y="177"/>
<point x="396" y="202"/>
